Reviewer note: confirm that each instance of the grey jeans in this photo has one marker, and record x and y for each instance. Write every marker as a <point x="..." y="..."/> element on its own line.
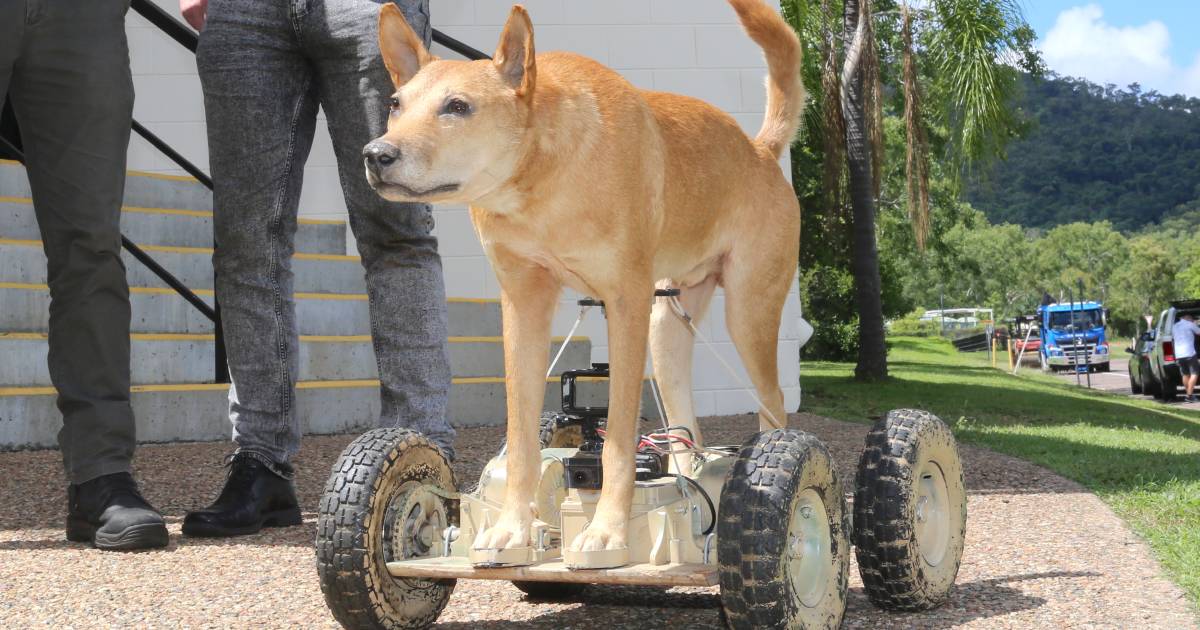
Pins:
<point x="266" y="66"/>
<point x="65" y="66"/>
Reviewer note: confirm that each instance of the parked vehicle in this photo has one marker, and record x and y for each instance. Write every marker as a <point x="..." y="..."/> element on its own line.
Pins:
<point x="1163" y="370"/>
<point x="1073" y="336"/>
<point x="1024" y="339"/>
<point x="1141" y="381"/>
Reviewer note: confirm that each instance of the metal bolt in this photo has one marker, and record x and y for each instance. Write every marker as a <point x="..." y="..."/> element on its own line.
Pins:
<point x="806" y="511"/>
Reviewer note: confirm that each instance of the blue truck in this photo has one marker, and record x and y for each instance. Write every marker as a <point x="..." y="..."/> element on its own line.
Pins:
<point x="1074" y="337"/>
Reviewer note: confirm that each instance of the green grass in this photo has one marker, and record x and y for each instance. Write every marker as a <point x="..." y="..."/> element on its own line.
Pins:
<point x="1140" y="457"/>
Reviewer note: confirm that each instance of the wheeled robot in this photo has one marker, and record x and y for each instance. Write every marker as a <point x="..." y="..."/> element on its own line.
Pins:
<point x="767" y="521"/>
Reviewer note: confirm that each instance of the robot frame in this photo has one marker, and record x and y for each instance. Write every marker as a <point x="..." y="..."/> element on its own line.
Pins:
<point x="394" y="533"/>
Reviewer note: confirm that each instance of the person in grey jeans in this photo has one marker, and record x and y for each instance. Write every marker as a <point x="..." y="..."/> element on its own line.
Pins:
<point x="64" y="65"/>
<point x="265" y="67"/>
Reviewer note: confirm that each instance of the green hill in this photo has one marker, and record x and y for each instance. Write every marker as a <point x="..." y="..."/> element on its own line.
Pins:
<point x="1095" y="153"/>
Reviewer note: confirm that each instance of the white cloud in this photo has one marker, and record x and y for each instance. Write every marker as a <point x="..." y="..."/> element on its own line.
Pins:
<point x="1082" y="44"/>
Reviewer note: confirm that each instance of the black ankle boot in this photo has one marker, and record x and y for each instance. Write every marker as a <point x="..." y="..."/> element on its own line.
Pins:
<point x="255" y="496"/>
<point x="110" y="513"/>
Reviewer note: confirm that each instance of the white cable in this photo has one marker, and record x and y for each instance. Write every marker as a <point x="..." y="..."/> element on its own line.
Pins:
<point x="662" y="414"/>
<point x="687" y="319"/>
<point x="563" y="348"/>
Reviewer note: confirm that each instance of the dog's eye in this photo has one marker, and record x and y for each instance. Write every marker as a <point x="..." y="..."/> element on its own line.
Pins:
<point x="457" y="107"/>
<point x="394" y="103"/>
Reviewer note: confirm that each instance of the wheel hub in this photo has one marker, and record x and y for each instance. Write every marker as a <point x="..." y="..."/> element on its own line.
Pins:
<point x="414" y="522"/>
<point x="808" y="554"/>
<point x="932" y="514"/>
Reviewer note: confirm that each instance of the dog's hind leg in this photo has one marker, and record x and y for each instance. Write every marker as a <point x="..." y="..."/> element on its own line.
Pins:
<point x="529" y="294"/>
<point x="671" y="347"/>
<point x="756" y="283"/>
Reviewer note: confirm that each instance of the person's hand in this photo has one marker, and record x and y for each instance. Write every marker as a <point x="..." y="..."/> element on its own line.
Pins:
<point x="194" y="11"/>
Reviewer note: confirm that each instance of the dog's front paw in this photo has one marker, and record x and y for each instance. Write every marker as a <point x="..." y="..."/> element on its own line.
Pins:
<point x="511" y="531"/>
<point x="601" y="535"/>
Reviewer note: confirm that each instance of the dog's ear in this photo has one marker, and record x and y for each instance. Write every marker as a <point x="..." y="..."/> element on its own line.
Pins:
<point x="404" y="53"/>
<point x="515" y="55"/>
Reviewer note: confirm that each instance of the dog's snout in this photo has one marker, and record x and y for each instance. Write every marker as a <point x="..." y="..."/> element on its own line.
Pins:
<point x="380" y="153"/>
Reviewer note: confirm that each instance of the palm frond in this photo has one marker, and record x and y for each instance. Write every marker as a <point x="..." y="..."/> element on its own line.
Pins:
<point x="917" y="148"/>
<point x="833" y="119"/>
<point x="872" y="95"/>
<point x="970" y="43"/>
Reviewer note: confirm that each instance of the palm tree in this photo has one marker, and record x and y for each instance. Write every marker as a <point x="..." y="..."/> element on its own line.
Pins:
<point x="861" y="153"/>
<point x="968" y="50"/>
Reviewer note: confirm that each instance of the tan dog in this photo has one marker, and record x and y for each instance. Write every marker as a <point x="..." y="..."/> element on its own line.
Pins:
<point x="574" y="177"/>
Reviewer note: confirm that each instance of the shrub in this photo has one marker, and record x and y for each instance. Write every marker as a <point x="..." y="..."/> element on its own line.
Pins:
<point x="911" y="325"/>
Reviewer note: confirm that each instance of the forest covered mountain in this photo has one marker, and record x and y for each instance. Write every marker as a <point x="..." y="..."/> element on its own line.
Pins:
<point x="1095" y="153"/>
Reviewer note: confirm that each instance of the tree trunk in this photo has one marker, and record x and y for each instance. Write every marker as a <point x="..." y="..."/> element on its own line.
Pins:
<point x="872" y="349"/>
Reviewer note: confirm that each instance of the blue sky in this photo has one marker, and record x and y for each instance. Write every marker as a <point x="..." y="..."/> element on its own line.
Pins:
<point x="1153" y="42"/>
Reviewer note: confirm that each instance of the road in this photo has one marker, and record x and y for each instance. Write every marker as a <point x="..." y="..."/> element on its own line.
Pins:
<point x="1117" y="381"/>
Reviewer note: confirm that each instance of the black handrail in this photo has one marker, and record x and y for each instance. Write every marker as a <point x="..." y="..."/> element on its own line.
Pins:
<point x="187" y="38"/>
<point x="171" y="280"/>
<point x="457" y="46"/>
<point x="166" y="23"/>
<point x="173" y="155"/>
<point x="146" y="259"/>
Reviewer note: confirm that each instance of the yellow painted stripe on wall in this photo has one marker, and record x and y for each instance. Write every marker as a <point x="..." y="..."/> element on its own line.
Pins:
<point x="179" y="212"/>
<point x="173" y="178"/>
<point x="191" y="250"/>
<point x="216" y="387"/>
<point x="344" y="297"/>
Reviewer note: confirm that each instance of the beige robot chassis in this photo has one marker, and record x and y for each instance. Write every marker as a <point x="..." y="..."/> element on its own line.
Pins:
<point x="767" y="521"/>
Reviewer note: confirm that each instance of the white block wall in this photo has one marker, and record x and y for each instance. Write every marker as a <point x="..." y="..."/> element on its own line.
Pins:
<point x="692" y="47"/>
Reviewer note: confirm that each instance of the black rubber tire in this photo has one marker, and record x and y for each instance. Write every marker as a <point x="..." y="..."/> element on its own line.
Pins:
<point x="895" y="574"/>
<point x="1135" y="384"/>
<point x="1168" y="392"/>
<point x="550" y="435"/>
<point x="550" y="591"/>
<point x="772" y="471"/>
<point x="1104" y="367"/>
<point x="351" y="549"/>
<point x="1150" y="386"/>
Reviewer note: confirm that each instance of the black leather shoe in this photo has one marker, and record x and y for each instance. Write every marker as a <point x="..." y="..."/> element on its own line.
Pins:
<point x="255" y="496"/>
<point x="110" y="513"/>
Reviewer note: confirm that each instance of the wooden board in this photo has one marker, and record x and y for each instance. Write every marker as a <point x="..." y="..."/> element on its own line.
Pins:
<point x="556" y="571"/>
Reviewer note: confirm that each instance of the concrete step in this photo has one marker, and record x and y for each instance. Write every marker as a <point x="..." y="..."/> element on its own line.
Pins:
<point x="149" y="190"/>
<point x="24" y="308"/>
<point x="22" y="261"/>
<point x="168" y="413"/>
<point x="160" y="359"/>
<point x="171" y="227"/>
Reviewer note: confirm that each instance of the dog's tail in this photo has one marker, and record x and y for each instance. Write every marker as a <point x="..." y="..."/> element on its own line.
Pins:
<point x="785" y="91"/>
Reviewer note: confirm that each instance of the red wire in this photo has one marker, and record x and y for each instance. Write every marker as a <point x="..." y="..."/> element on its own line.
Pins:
<point x="666" y="436"/>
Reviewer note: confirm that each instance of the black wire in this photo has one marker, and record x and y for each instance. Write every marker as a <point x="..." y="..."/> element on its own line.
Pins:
<point x="712" y="509"/>
<point x="691" y="436"/>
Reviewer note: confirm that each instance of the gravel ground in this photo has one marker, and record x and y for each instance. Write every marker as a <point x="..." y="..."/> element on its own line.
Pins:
<point x="1041" y="552"/>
